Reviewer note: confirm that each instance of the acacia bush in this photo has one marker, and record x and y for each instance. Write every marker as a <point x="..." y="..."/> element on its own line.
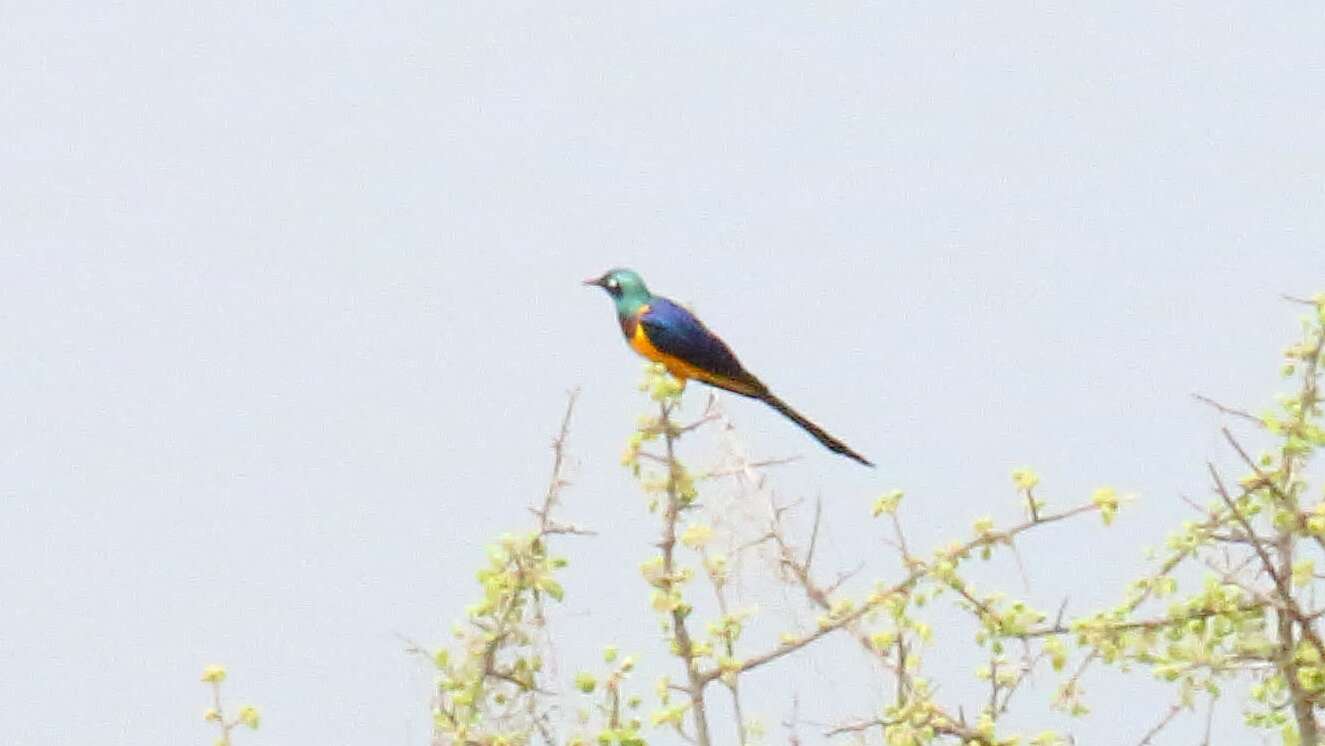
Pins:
<point x="1230" y="598"/>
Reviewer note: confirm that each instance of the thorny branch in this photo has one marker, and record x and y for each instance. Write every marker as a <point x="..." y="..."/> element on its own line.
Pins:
<point x="798" y="566"/>
<point x="680" y="630"/>
<point x="517" y="618"/>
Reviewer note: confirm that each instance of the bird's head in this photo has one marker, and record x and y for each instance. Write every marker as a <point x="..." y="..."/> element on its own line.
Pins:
<point x="626" y="287"/>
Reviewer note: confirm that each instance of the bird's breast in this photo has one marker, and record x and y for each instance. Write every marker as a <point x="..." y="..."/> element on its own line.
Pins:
<point x="680" y="369"/>
<point x="639" y="341"/>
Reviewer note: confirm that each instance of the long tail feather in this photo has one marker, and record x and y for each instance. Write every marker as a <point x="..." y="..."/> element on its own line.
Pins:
<point x="831" y="443"/>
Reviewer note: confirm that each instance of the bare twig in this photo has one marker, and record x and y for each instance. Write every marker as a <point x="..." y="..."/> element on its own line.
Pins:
<point x="553" y="494"/>
<point x="1163" y="723"/>
<point x="938" y="723"/>
<point x="1295" y="299"/>
<point x="814" y="533"/>
<point x="1209" y="721"/>
<point x="917" y="572"/>
<point x="1240" y="413"/>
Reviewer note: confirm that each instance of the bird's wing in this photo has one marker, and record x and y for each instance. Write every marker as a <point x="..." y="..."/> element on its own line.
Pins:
<point x="674" y="331"/>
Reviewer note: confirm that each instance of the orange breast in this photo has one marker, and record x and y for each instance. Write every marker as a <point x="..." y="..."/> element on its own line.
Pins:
<point x="683" y="370"/>
<point x="639" y="341"/>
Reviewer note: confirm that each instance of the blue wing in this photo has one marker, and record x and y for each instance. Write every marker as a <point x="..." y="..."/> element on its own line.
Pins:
<point x="675" y="331"/>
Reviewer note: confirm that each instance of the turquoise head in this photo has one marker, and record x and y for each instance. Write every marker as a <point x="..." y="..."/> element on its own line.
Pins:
<point x="627" y="289"/>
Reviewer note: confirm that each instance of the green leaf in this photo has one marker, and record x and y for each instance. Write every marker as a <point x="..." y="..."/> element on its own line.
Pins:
<point x="551" y="587"/>
<point x="887" y="503"/>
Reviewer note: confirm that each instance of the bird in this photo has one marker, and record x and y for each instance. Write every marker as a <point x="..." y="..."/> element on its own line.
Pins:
<point x="665" y="332"/>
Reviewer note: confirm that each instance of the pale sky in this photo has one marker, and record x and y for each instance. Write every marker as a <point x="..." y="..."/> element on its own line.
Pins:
<point x="291" y="299"/>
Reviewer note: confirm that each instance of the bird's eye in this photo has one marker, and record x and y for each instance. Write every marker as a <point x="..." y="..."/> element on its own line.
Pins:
<point x="612" y="283"/>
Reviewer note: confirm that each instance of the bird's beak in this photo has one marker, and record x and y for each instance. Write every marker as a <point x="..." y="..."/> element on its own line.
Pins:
<point x="594" y="281"/>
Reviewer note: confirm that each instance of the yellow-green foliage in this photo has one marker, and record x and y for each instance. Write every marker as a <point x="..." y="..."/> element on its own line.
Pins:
<point x="1254" y="615"/>
<point x="248" y="715"/>
<point x="487" y="683"/>
<point x="1231" y="597"/>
